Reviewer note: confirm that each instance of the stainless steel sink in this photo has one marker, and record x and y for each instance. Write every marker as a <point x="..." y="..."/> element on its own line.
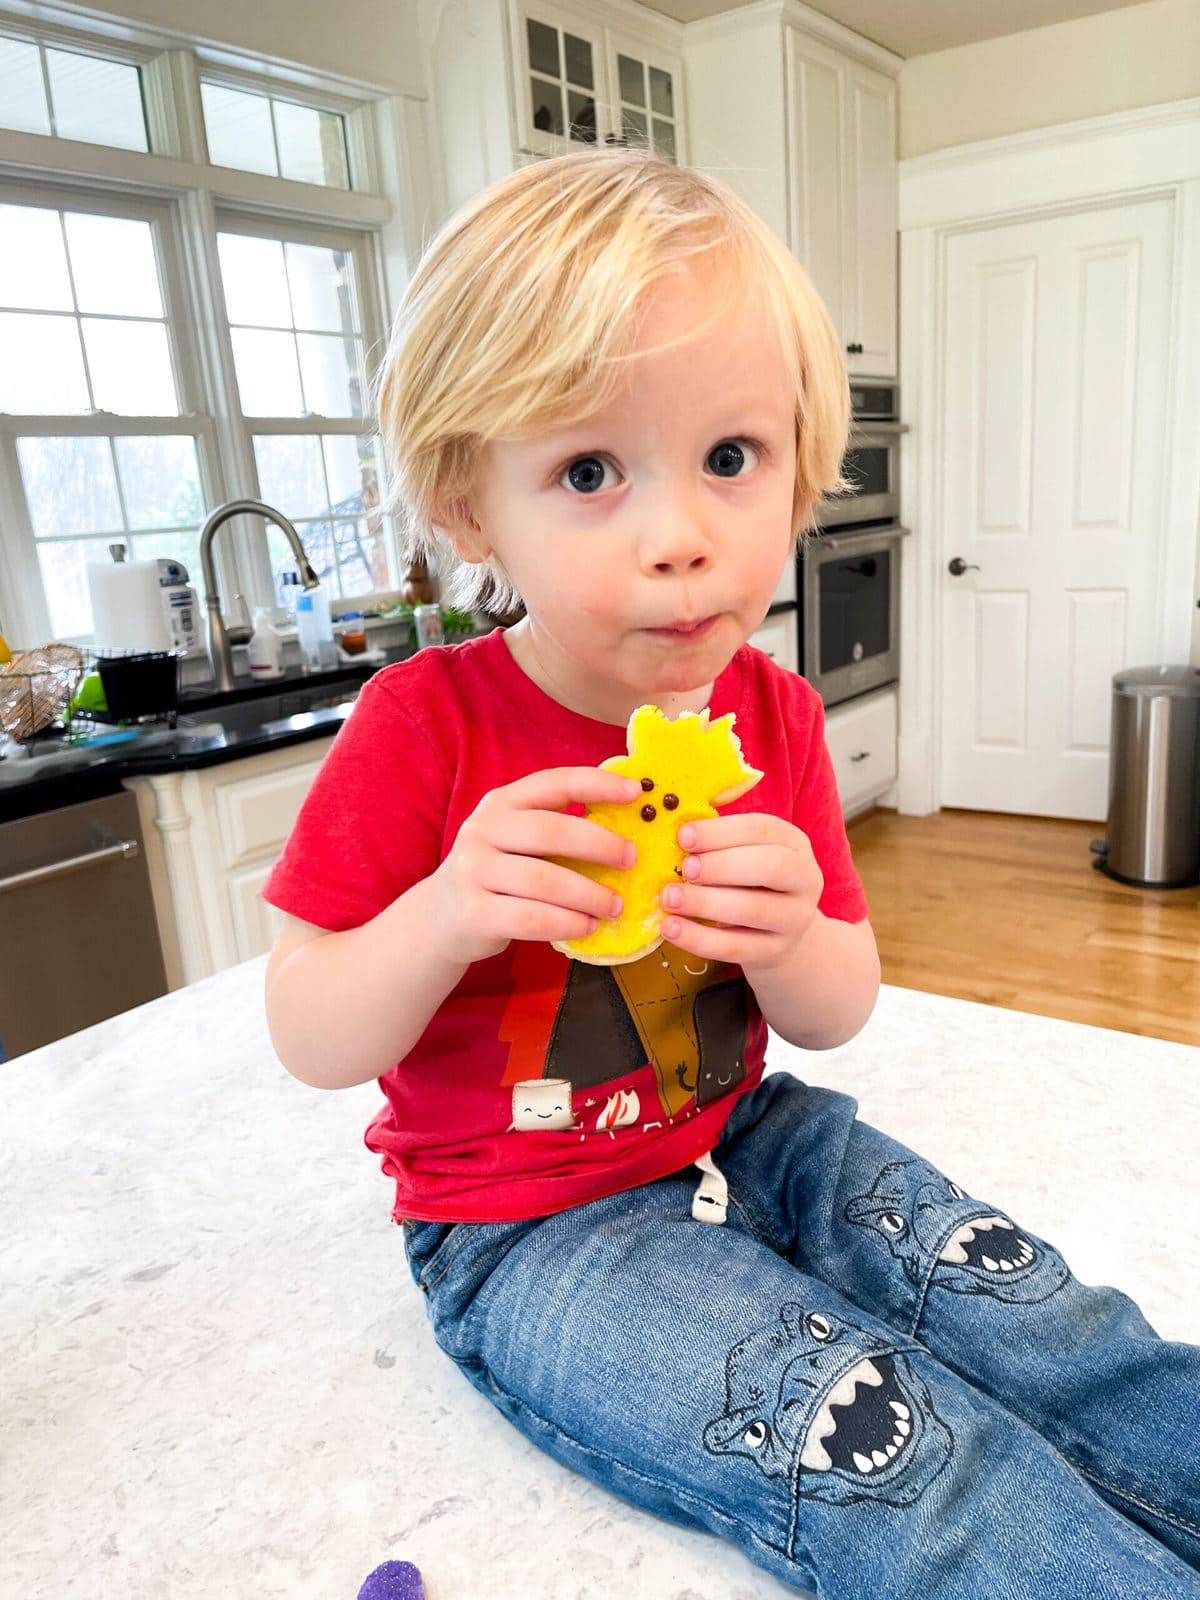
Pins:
<point x="292" y="700"/>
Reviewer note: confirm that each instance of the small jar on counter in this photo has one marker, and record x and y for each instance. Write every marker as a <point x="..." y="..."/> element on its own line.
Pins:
<point x="352" y="633"/>
<point x="428" y="622"/>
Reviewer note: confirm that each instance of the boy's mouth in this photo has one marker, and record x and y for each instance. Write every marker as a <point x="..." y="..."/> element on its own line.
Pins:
<point x="685" y="631"/>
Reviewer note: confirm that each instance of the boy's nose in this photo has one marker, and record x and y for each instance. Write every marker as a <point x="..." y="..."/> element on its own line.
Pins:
<point x="676" y="540"/>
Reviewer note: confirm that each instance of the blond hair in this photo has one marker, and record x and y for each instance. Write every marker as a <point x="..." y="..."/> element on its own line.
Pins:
<point x="524" y="309"/>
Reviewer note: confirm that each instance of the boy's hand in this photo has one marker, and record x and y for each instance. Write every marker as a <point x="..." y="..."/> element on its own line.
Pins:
<point x="753" y="875"/>
<point x="495" y="885"/>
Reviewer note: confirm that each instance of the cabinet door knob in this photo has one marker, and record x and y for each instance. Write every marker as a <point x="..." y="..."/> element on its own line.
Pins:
<point x="854" y="349"/>
<point x="957" y="566"/>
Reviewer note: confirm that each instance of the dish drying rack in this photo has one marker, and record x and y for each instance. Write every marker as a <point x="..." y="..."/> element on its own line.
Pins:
<point x="37" y="688"/>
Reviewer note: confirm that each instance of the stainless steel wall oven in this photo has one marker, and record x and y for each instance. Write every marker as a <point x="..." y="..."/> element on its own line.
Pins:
<point x="849" y="572"/>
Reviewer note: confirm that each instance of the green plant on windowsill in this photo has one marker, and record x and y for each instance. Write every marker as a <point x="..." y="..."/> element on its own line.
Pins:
<point x="456" y="624"/>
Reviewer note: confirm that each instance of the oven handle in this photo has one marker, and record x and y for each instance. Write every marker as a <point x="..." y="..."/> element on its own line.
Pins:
<point x="123" y="849"/>
<point x="855" y="541"/>
<point x="861" y="427"/>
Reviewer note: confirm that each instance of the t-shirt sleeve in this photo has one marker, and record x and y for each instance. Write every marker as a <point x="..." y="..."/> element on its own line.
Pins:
<point x="372" y="823"/>
<point x="818" y="811"/>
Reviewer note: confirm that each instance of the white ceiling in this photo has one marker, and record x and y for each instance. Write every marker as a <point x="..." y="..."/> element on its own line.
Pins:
<point x="915" y="27"/>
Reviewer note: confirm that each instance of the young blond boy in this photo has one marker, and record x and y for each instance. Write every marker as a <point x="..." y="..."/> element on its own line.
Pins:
<point x="612" y="394"/>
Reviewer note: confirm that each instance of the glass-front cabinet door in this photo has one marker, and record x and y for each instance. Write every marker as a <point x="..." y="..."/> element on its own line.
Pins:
<point x="560" y="65"/>
<point x="647" y="98"/>
<point x="580" y="83"/>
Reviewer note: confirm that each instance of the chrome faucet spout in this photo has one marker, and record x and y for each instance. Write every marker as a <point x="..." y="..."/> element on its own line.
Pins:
<point x="220" y="652"/>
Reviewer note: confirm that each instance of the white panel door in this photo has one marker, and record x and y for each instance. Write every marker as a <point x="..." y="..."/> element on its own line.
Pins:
<point x="1056" y="348"/>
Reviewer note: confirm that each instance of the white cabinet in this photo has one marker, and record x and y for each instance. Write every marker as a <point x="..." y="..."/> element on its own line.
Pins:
<point x="842" y="193"/>
<point x="776" y="637"/>
<point x="212" y="836"/>
<point x="861" y="737"/>
<point x="595" y="76"/>
<point x="805" y="130"/>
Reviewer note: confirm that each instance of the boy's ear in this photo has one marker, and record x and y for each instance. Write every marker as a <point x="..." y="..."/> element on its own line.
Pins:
<point x="457" y="521"/>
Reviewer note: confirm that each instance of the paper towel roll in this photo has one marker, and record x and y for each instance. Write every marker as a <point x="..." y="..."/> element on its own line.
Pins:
<point x="127" y="607"/>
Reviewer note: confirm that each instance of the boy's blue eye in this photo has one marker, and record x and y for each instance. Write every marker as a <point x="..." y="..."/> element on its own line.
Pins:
<point x="585" y="475"/>
<point x="730" y="456"/>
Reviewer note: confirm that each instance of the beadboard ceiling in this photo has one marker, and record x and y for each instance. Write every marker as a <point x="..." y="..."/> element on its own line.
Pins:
<point x="916" y="27"/>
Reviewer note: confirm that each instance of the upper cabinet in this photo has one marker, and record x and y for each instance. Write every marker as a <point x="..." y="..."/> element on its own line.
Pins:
<point x="805" y="130"/>
<point x="595" y="78"/>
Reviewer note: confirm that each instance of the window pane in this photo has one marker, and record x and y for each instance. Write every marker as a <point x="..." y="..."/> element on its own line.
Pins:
<point x="239" y="129"/>
<point x="543" y="47"/>
<point x="351" y="472"/>
<point x="130" y="367"/>
<point x="633" y="86"/>
<point x="633" y="127"/>
<point x="114" y="265"/>
<point x="664" y="139"/>
<point x="41" y="365"/>
<point x="160" y="479"/>
<point x="547" y="106"/>
<point x="70" y="485"/>
<point x="662" y="97"/>
<point x="579" y="61"/>
<point x="100" y="101"/>
<point x="583" y="117"/>
<point x="312" y="145"/>
<point x="267" y="374"/>
<point x="256" y="285"/>
<point x="64" y="564"/>
<point x="322" y="288"/>
<point x="22" y="92"/>
<point x="343" y="550"/>
<point x="33" y="262"/>
<point x="331" y="369"/>
<point x="289" y="473"/>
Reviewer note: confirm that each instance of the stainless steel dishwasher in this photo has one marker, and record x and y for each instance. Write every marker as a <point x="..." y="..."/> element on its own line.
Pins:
<point x="78" y="936"/>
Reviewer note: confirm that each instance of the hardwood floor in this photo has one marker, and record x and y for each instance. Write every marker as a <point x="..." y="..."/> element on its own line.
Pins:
<point x="1009" y="911"/>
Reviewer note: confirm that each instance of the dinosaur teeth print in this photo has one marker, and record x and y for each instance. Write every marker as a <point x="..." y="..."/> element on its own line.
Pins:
<point x="872" y="1432"/>
<point x="970" y="1246"/>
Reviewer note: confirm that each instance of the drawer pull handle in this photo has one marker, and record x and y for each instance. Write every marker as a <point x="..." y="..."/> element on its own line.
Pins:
<point x="861" y="756"/>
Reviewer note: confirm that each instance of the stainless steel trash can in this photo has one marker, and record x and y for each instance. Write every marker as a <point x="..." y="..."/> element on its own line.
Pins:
<point x="1154" y="785"/>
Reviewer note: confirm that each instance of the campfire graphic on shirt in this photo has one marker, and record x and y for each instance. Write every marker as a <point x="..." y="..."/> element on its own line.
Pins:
<point x="676" y="1022"/>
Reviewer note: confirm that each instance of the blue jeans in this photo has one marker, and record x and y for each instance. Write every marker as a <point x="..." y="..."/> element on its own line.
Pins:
<point x="871" y="1382"/>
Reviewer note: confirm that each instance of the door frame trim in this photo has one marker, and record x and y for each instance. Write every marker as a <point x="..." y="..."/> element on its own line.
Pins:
<point x="1110" y="160"/>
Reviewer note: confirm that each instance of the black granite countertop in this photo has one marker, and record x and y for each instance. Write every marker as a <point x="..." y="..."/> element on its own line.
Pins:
<point x="252" y="719"/>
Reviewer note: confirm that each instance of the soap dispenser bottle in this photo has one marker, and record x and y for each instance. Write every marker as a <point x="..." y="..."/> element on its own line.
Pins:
<point x="264" y="652"/>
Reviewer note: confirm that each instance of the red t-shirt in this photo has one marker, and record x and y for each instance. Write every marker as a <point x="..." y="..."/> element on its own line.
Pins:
<point x="541" y="1082"/>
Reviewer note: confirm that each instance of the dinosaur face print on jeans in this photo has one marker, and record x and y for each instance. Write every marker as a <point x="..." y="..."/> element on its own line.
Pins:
<point x="943" y="1237"/>
<point x="829" y="1405"/>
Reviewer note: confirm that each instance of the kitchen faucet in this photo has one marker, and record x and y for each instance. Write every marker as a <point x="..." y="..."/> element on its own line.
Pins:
<point x="221" y="638"/>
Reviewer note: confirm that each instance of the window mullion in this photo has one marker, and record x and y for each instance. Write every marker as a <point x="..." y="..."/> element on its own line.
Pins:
<point x="236" y="565"/>
<point x="171" y="85"/>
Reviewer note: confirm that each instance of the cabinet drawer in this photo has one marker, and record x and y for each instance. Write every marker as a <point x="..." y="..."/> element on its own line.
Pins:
<point x="862" y="745"/>
<point x="255" y="815"/>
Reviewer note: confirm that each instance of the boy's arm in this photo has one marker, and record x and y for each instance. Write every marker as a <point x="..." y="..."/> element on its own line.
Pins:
<point x="343" y="1008"/>
<point x="826" y="992"/>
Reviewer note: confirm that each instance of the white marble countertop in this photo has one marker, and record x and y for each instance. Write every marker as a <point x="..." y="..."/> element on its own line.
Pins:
<point x="217" y="1380"/>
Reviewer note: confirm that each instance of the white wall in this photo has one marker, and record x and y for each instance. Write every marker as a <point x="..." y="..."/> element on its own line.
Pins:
<point x="372" y="41"/>
<point x="1142" y="55"/>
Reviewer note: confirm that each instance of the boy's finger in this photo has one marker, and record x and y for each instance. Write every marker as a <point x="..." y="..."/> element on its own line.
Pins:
<point x="563" y="786"/>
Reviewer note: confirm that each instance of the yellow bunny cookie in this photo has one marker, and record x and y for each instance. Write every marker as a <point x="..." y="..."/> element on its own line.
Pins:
<point x="686" y="769"/>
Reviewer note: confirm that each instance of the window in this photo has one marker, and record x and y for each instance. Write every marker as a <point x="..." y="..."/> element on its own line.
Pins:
<point x="295" y="324"/>
<point x="259" y="133"/>
<point x="87" y="370"/>
<point x="175" y="336"/>
<point x="71" y="94"/>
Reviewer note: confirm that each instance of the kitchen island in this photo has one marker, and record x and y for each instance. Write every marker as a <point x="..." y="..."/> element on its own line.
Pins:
<point x="218" y="1379"/>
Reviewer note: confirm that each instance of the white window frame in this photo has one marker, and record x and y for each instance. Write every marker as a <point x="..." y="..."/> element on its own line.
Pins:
<point x="196" y="199"/>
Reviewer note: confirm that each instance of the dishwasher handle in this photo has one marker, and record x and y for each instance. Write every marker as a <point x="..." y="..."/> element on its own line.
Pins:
<point x="120" y="850"/>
